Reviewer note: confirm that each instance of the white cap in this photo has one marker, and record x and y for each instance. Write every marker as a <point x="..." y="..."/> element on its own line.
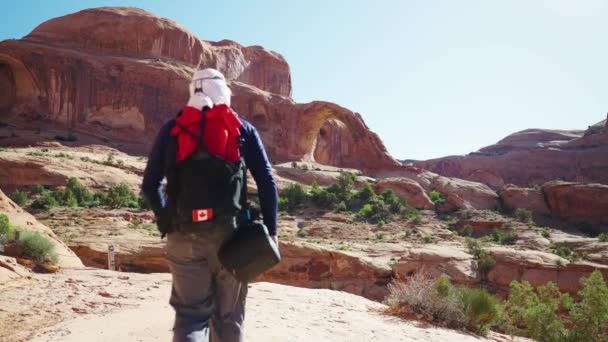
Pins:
<point x="212" y="84"/>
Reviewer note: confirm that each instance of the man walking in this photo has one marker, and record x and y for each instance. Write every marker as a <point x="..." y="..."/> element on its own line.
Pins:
<point x="206" y="147"/>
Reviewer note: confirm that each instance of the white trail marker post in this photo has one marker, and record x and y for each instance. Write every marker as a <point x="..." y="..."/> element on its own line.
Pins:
<point x="111" y="258"/>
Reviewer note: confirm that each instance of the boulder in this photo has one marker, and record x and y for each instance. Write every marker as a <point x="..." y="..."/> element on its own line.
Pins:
<point x="438" y="260"/>
<point x="457" y="193"/>
<point x="315" y="267"/>
<point x="513" y="197"/>
<point x="408" y="190"/>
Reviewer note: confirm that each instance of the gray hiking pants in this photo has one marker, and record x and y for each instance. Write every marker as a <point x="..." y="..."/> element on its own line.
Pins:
<point x="209" y="302"/>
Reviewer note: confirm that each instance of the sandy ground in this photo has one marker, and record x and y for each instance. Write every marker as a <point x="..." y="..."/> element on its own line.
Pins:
<point x="97" y="305"/>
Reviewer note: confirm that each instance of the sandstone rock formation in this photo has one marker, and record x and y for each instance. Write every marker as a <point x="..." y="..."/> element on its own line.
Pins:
<point x="458" y="193"/>
<point x="120" y="73"/>
<point x="19" y="217"/>
<point x="408" y="190"/>
<point x="578" y="202"/>
<point x="538" y="268"/>
<point x="514" y="197"/>
<point x="30" y="166"/>
<point x="533" y="157"/>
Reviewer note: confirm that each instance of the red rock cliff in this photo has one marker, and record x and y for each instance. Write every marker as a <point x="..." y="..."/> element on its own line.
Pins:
<point x="119" y="73"/>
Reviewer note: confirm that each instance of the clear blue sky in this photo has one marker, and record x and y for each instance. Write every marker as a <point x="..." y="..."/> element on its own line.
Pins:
<point x="431" y="77"/>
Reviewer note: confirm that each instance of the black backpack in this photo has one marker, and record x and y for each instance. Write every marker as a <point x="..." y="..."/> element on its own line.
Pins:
<point x="204" y="190"/>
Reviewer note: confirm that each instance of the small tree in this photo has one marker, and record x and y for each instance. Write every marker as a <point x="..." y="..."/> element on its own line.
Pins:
<point x="19" y="197"/>
<point x="295" y="194"/>
<point x="590" y="315"/>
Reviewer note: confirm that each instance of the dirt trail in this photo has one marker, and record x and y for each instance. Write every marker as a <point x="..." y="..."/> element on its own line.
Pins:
<point x="98" y="305"/>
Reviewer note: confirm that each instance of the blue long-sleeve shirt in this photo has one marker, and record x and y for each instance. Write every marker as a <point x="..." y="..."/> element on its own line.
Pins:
<point x="252" y="151"/>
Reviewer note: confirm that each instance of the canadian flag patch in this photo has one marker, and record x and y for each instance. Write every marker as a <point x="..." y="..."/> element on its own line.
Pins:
<point x="202" y="215"/>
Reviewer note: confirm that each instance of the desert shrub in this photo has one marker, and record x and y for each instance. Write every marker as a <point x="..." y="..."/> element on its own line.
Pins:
<point x="295" y="194"/>
<point x="440" y="302"/>
<point x="435" y="196"/>
<point x="396" y="206"/>
<point x="121" y="196"/>
<point x="365" y="212"/>
<point x="283" y="204"/>
<point x="81" y="193"/>
<point x="603" y="237"/>
<point x="343" y="186"/>
<point x="19" y="197"/>
<point x="536" y="313"/>
<point x="467" y="230"/>
<point x="5" y="227"/>
<point x="363" y="196"/>
<point x="37" y="247"/>
<point x="294" y="164"/>
<point x="435" y="301"/>
<point x="65" y="197"/>
<point x="504" y="238"/>
<point x="546" y="232"/>
<point x="523" y="215"/>
<point x="590" y="315"/>
<point x="481" y="309"/>
<point x="374" y="212"/>
<point x="46" y="201"/>
<point x="323" y="198"/>
<point x="485" y="262"/>
<point x="38" y="189"/>
<point x="565" y="252"/>
<point x="341" y="207"/>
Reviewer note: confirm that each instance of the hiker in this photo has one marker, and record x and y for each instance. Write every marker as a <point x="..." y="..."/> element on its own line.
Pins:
<point x="209" y="302"/>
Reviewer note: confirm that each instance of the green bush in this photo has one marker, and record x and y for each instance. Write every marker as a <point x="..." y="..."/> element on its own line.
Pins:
<point x="485" y="262"/>
<point x="504" y="238"/>
<point x="590" y="315"/>
<point x="467" y="230"/>
<point x="5" y="226"/>
<point x="440" y="302"/>
<point x="323" y="198"/>
<point x="435" y="196"/>
<point x="295" y="194"/>
<point x="81" y="193"/>
<point x="374" y="212"/>
<point x="603" y="237"/>
<point x="37" y="247"/>
<point x="565" y="252"/>
<point x="480" y="308"/>
<point x="546" y="232"/>
<point x="121" y="196"/>
<point x="523" y="215"/>
<point x="19" y="197"/>
<point x="365" y="195"/>
<point x="46" y="201"/>
<point x="536" y="313"/>
<point x="283" y="204"/>
<point x="38" y="189"/>
<point x="343" y="186"/>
